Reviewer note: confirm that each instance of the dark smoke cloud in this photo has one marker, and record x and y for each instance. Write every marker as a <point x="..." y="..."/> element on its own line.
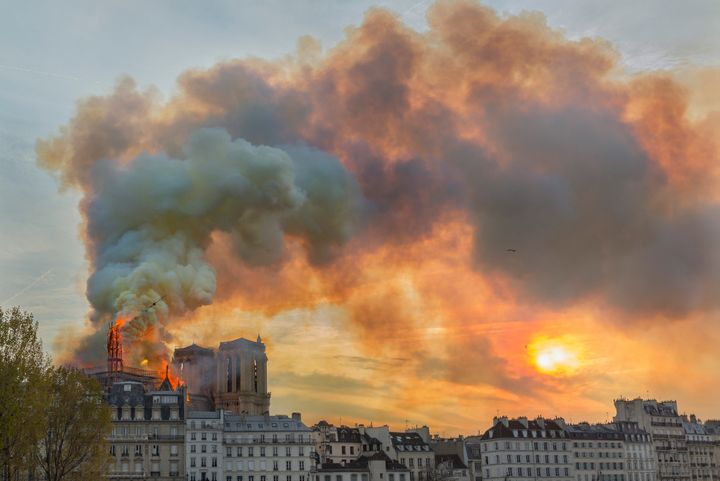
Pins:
<point x="535" y="140"/>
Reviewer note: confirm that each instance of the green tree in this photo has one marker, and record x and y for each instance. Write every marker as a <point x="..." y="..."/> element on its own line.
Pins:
<point x="24" y="369"/>
<point x="74" y="446"/>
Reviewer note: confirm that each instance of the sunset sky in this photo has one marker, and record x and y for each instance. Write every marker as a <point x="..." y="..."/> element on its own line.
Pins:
<point x="432" y="213"/>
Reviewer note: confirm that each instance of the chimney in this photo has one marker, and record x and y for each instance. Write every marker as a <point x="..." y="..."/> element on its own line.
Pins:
<point x="524" y="421"/>
<point x="296" y="417"/>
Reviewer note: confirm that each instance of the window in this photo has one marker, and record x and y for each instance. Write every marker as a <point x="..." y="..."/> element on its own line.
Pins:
<point x="275" y="451"/>
<point x="262" y="451"/>
<point x="288" y="466"/>
<point x="302" y="466"/>
<point x="192" y="448"/>
<point x="203" y="448"/>
<point x="250" y="451"/>
<point x="275" y="465"/>
<point x="214" y="436"/>
<point x="287" y="451"/>
<point x="214" y="462"/>
<point x="343" y="450"/>
<point x="203" y="436"/>
<point x="192" y="462"/>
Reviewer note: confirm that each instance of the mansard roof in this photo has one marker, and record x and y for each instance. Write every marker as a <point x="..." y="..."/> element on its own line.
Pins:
<point x="361" y="464"/>
<point x="348" y="435"/>
<point x="408" y="439"/>
<point x="452" y="459"/>
<point x="594" y="431"/>
<point x="516" y="428"/>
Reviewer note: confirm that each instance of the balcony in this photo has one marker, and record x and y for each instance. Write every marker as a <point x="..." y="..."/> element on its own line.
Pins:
<point x="166" y="437"/>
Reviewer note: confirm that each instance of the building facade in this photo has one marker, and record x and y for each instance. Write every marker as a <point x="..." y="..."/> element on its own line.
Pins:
<point x="701" y="450"/>
<point x="147" y="432"/>
<point x="473" y="447"/>
<point x="640" y="458"/>
<point x="521" y="449"/>
<point x="229" y="447"/>
<point x="338" y="445"/>
<point x="598" y="452"/>
<point x="408" y="448"/>
<point x="662" y="421"/>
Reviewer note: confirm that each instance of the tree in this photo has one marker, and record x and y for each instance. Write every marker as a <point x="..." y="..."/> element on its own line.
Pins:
<point x="73" y="447"/>
<point x="23" y="391"/>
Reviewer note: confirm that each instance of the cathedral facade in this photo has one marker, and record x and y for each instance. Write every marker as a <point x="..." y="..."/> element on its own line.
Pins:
<point x="232" y="378"/>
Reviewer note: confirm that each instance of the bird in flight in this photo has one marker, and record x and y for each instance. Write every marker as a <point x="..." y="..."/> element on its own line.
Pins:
<point x="511" y="250"/>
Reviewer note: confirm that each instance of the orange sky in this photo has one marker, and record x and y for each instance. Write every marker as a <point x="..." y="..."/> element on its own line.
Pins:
<point x="425" y="227"/>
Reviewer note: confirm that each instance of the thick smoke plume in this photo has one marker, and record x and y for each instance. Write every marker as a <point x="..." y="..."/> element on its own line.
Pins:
<point x="570" y="181"/>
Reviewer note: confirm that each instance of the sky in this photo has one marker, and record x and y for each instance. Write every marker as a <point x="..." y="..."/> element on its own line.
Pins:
<point x="445" y="322"/>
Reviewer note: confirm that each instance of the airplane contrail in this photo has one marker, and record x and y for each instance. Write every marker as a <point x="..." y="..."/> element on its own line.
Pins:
<point x="32" y="283"/>
<point x="39" y="72"/>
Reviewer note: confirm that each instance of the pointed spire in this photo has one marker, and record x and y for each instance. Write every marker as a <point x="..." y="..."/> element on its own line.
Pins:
<point x="259" y="339"/>
<point x="166" y="385"/>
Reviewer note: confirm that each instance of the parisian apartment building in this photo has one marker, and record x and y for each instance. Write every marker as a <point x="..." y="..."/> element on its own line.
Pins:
<point x="222" y="446"/>
<point x="514" y="449"/>
<point x="148" y="432"/>
<point x="665" y="426"/>
<point x="702" y="444"/>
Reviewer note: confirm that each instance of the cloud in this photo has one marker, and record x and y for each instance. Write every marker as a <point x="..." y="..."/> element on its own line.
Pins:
<point x="390" y="177"/>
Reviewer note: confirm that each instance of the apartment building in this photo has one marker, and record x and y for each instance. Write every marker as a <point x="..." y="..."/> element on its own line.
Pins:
<point x="521" y="449"/>
<point x="598" y="452"/>
<point x="701" y="446"/>
<point x="408" y="448"/>
<point x="338" y="445"/>
<point x="665" y="426"/>
<point x="147" y="432"/>
<point x="640" y="458"/>
<point x="222" y="446"/>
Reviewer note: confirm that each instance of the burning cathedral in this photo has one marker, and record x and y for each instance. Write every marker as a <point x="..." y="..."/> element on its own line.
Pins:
<point x="232" y="378"/>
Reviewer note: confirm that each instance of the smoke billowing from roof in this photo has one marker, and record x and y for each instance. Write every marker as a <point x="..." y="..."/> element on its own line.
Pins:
<point x="498" y="129"/>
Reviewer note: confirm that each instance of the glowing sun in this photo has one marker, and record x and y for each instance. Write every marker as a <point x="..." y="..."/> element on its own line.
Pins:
<point x="554" y="356"/>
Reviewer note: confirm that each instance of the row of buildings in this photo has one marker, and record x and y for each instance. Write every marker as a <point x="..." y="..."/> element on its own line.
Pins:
<point x="215" y="425"/>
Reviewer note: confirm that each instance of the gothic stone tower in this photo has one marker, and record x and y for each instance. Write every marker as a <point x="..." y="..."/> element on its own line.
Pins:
<point x="241" y="385"/>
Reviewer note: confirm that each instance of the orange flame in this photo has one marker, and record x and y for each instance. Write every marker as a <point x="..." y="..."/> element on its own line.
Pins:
<point x="167" y="369"/>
